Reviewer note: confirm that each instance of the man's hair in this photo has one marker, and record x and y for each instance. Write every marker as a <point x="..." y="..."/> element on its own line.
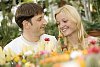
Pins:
<point x="26" y="11"/>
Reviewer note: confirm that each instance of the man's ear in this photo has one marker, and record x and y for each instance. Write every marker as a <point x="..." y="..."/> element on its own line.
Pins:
<point x="26" y="24"/>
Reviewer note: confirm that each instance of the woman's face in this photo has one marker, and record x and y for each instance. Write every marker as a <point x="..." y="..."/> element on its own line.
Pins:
<point x="65" y="24"/>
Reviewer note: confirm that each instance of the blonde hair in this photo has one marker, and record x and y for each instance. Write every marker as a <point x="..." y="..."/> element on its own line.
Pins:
<point x="73" y="14"/>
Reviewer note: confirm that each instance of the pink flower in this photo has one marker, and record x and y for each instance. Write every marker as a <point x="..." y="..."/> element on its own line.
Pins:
<point x="18" y="65"/>
<point x="47" y="39"/>
<point x="43" y="52"/>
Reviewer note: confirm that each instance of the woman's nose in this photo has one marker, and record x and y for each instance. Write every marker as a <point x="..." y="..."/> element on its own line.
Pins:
<point x="61" y="25"/>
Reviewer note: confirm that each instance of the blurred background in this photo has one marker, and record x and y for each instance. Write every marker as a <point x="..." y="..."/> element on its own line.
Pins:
<point x="89" y="11"/>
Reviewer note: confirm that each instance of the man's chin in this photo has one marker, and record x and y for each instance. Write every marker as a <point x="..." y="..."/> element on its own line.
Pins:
<point x="42" y="32"/>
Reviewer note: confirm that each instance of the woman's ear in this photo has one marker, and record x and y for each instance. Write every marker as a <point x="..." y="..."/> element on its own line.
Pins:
<point x="26" y="24"/>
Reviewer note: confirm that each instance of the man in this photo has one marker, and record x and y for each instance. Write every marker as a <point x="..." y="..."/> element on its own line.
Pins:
<point x="30" y="18"/>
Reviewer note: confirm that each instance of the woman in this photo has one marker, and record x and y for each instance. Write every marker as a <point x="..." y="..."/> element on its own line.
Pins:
<point x="74" y="36"/>
<point x="71" y="27"/>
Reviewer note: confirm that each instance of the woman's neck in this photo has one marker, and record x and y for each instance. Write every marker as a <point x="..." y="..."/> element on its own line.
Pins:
<point x="74" y="43"/>
<point x="73" y="39"/>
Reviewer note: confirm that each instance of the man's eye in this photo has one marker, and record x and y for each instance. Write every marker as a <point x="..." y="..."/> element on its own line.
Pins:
<point x="39" y="19"/>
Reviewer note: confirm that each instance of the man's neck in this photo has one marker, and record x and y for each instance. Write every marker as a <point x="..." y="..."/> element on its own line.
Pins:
<point x="31" y="38"/>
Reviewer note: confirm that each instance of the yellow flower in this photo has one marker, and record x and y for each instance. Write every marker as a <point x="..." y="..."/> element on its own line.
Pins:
<point x="53" y="53"/>
<point x="8" y="58"/>
<point x="27" y="48"/>
<point x="57" y="58"/>
<point x="1" y="49"/>
<point x="81" y="61"/>
<point x="28" y="64"/>
<point x="17" y="58"/>
<point x="41" y="46"/>
<point x="2" y="56"/>
<point x="85" y="52"/>
<point x="67" y="51"/>
<point x="49" y="46"/>
<point x="24" y="60"/>
<point x="9" y="54"/>
<point x="46" y="45"/>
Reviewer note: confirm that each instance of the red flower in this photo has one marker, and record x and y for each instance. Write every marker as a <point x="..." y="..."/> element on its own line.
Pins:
<point x="47" y="39"/>
<point x="93" y="42"/>
<point x="94" y="49"/>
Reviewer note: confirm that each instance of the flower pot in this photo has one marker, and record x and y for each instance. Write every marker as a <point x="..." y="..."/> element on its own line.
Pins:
<point x="94" y="33"/>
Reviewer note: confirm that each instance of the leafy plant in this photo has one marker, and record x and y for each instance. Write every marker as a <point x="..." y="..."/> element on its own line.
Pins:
<point x="89" y="26"/>
<point x="52" y="29"/>
<point x="7" y="30"/>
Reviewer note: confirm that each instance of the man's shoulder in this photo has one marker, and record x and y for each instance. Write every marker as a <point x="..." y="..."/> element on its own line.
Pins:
<point x="13" y="42"/>
<point x="16" y="40"/>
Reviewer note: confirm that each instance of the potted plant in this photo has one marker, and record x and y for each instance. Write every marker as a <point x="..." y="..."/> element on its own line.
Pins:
<point x="92" y="28"/>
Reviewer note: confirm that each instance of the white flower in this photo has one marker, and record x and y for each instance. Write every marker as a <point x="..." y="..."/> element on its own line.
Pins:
<point x="70" y="64"/>
<point x="28" y="53"/>
<point x="75" y="54"/>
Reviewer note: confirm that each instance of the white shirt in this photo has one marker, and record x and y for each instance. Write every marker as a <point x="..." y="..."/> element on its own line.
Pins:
<point x="17" y="44"/>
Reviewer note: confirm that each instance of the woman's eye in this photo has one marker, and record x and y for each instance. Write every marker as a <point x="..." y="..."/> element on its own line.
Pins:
<point x="65" y="21"/>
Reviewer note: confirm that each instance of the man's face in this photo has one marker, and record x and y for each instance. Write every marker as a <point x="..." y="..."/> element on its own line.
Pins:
<point x="37" y="25"/>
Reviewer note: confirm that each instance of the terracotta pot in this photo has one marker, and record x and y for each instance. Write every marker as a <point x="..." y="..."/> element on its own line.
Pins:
<point x="94" y="33"/>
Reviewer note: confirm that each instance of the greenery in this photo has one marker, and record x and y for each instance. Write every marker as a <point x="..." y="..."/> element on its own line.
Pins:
<point x="7" y="30"/>
<point x="52" y="29"/>
<point x="90" y="26"/>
